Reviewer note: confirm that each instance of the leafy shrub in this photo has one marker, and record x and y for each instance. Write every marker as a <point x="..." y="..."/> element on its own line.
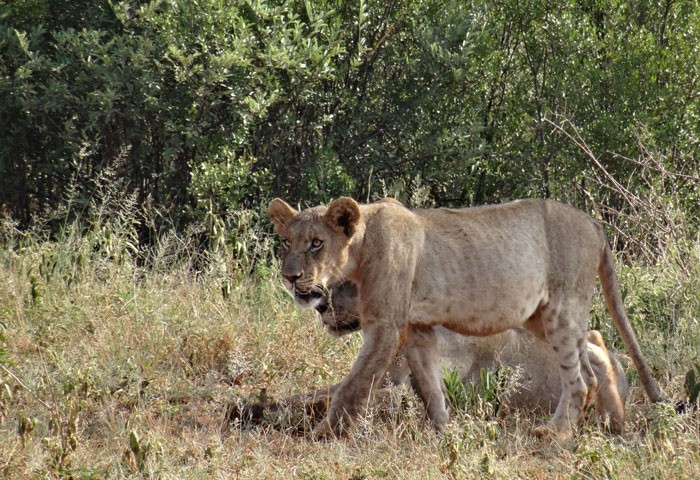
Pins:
<point x="231" y="102"/>
<point x="482" y="398"/>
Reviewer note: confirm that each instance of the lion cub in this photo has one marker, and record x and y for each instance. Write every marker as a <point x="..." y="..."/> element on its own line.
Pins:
<point x="538" y="386"/>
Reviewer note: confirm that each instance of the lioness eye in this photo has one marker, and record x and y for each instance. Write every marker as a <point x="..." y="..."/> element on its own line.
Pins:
<point x="316" y="244"/>
<point x="285" y="243"/>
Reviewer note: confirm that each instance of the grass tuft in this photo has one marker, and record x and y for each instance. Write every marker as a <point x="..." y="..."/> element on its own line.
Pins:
<point x="119" y="360"/>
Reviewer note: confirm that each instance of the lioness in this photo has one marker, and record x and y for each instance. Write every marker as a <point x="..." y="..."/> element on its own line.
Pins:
<point x="475" y="271"/>
<point x="538" y="384"/>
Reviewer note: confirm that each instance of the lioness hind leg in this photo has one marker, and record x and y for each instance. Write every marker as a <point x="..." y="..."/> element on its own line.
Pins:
<point x="565" y="332"/>
<point x="423" y="359"/>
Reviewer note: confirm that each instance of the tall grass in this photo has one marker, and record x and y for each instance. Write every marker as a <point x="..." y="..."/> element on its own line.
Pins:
<point x="119" y="360"/>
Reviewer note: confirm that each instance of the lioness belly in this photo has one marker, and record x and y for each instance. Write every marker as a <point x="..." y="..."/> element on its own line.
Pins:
<point x="475" y="318"/>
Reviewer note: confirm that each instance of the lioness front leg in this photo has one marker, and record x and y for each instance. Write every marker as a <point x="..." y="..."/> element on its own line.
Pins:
<point x="381" y="343"/>
<point x="423" y="358"/>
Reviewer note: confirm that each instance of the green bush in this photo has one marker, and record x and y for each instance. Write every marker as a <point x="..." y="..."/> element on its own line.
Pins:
<point x="234" y="102"/>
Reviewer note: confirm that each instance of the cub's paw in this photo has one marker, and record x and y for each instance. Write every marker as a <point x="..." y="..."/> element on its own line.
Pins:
<point x="548" y="432"/>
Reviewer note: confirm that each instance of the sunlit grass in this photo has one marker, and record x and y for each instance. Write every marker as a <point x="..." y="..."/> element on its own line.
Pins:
<point x="111" y="370"/>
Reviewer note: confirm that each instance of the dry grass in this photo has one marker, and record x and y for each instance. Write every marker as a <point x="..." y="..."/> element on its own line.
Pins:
<point x="111" y="371"/>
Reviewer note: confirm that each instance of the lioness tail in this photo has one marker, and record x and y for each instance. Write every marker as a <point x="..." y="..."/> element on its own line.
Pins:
<point x="613" y="300"/>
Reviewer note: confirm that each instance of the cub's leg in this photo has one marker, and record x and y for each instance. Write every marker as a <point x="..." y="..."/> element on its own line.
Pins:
<point x="565" y="326"/>
<point x="397" y="372"/>
<point x="609" y="402"/>
<point x="422" y="355"/>
<point x="588" y="373"/>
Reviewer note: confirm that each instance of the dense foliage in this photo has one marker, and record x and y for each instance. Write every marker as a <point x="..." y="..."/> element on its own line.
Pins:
<point x="209" y="106"/>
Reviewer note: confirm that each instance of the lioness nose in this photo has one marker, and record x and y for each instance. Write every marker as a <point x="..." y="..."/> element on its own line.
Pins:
<point x="292" y="278"/>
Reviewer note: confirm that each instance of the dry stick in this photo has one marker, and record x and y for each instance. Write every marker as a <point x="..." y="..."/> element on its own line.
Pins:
<point x="666" y="224"/>
<point x="672" y="229"/>
<point x="658" y="166"/>
<point x="21" y="383"/>
<point x="635" y="202"/>
<point x="579" y="142"/>
<point x="631" y="199"/>
<point x="9" y="457"/>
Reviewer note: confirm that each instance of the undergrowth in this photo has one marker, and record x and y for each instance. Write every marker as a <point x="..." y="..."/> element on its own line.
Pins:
<point x="119" y="360"/>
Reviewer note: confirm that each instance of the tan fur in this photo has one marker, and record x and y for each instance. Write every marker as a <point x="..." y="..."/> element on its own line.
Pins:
<point x="538" y="386"/>
<point x="476" y="271"/>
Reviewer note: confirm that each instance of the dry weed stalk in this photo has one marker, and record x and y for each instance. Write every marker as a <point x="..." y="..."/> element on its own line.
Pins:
<point x="658" y="229"/>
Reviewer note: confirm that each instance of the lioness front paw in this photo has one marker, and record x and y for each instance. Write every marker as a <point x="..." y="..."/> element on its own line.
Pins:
<point x="333" y="425"/>
<point x="325" y="430"/>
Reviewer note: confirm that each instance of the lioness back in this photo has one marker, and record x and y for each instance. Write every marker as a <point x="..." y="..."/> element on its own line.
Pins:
<point x="510" y="257"/>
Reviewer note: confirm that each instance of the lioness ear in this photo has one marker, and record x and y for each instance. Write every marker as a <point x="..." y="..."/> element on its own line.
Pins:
<point x="282" y="215"/>
<point x="343" y="216"/>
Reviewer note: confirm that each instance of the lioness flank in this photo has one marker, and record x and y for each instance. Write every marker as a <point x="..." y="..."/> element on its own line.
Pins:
<point x="475" y="271"/>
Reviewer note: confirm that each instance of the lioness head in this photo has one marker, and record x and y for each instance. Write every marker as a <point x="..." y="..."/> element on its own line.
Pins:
<point x="338" y="309"/>
<point x="314" y="246"/>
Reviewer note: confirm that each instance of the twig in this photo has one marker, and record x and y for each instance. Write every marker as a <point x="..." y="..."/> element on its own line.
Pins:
<point x="658" y="169"/>
<point x="655" y="220"/>
<point x="579" y="142"/>
<point x="21" y="383"/>
<point x="9" y="457"/>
